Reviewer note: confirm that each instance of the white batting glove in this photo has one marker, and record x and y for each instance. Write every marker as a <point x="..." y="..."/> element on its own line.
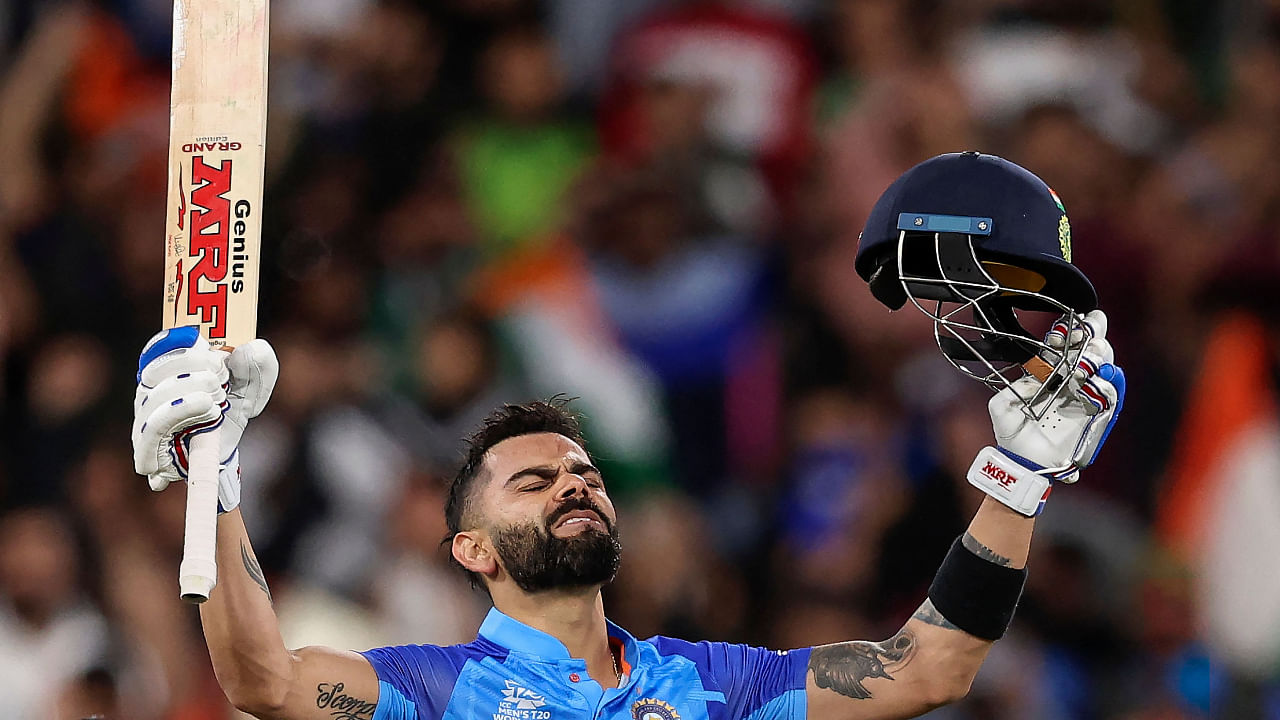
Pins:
<point x="185" y="387"/>
<point x="1033" y="454"/>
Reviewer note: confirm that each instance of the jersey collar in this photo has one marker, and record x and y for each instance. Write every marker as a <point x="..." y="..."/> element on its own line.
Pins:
<point x="504" y="630"/>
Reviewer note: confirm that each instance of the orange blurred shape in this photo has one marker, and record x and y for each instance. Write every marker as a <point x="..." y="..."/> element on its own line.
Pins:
<point x="109" y="79"/>
<point x="1231" y="392"/>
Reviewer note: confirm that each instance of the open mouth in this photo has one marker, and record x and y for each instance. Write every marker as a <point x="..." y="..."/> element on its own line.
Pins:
<point x="581" y="518"/>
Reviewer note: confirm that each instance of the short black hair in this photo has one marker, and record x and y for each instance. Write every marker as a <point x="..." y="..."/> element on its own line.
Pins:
<point x="540" y="416"/>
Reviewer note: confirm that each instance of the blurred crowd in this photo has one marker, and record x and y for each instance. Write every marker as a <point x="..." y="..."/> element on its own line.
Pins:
<point x="652" y="206"/>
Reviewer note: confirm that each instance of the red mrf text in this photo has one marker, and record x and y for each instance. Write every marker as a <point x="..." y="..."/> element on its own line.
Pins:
<point x="217" y="244"/>
<point x="996" y="473"/>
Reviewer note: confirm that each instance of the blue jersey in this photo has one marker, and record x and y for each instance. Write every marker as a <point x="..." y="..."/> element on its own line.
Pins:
<point x="514" y="672"/>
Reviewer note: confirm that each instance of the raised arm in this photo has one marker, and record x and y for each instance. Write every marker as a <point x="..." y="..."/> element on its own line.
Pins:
<point x="930" y="661"/>
<point x="933" y="659"/>
<point x="186" y="387"/>
<point x="257" y="673"/>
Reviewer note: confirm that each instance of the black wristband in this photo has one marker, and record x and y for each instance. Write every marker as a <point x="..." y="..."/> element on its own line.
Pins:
<point x="976" y="595"/>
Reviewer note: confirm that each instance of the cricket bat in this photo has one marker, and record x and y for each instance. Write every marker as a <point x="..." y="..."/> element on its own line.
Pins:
<point x="217" y="140"/>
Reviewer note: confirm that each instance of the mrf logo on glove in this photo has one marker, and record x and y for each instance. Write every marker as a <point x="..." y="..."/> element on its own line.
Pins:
<point x="1000" y="476"/>
<point x="1013" y="484"/>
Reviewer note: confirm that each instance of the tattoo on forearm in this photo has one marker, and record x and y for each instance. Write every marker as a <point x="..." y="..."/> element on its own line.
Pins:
<point x="329" y="696"/>
<point x="972" y="545"/>
<point x="254" y="569"/>
<point x="929" y="614"/>
<point x="844" y="666"/>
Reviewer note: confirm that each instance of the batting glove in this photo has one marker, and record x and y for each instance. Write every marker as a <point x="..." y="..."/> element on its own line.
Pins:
<point x="186" y="387"/>
<point x="1033" y="454"/>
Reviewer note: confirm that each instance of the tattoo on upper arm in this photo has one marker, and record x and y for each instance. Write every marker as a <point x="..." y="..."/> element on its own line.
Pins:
<point x="929" y="614"/>
<point x="972" y="545"/>
<point x="844" y="666"/>
<point x="330" y="696"/>
<point x="254" y="569"/>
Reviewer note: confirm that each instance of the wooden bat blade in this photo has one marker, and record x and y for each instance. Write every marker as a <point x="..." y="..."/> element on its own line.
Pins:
<point x="213" y="230"/>
<point x="217" y="141"/>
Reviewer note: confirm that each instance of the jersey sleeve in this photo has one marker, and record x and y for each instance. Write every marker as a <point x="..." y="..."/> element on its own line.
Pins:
<point x="758" y="684"/>
<point x="414" y="681"/>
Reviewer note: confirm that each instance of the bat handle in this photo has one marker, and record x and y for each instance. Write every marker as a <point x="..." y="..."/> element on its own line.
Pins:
<point x="1039" y="368"/>
<point x="199" y="570"/>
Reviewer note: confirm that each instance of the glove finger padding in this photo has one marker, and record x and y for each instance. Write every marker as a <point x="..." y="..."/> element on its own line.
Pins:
<point x="1072" y="343"/>
<point x="173" y="388"/>
<point x="1095" y="354"/>
<point x="1108" y="387"/>
<point x="176" y="404"/>
<point x="1072" y="430"/>
<point x="181" y="387"/>
<point x="168" y="355"/>
<point x="152" y="438"/>
<point x="1096" y="325"/>
<point x="1091" y="325"/>
<point x="254" y="370"/>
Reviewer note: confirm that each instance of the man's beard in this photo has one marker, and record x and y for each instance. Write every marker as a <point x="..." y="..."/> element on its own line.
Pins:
<point x="538" y="560"/>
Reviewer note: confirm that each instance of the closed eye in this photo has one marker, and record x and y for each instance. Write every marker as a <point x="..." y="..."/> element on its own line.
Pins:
<point x="535" y="478"/>
<point x="590" y="473"/>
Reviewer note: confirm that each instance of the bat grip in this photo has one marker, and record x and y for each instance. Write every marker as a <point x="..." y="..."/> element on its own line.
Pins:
<point x="1039" y="368"/>
<point x="199" y="570"/>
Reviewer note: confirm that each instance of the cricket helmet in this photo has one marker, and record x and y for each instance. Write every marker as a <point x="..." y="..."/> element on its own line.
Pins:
<point x="971" y="239"/>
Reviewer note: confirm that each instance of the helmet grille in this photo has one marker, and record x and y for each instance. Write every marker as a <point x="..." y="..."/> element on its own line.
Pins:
<point x="974" y="307"/>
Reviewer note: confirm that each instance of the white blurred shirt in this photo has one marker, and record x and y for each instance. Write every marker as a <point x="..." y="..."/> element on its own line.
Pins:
<point x="36" y="663"/>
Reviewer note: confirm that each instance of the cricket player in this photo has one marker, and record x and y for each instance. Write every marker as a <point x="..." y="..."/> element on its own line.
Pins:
<point x="531" y="521"/>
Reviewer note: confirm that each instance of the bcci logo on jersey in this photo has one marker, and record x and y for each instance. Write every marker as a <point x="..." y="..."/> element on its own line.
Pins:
<point x="520" y="703"/>
<point x="653" y="709"/>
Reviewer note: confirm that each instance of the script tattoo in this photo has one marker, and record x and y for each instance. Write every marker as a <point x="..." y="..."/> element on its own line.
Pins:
<point x="254" y="569"/>
<point x="929" y="614"/>
<point x="844" y="666"/>
<point x="972" y="545"/>
<point x="342" y="706"/>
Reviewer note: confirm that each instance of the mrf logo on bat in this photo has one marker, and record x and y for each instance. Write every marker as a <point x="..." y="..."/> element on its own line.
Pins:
<point x="212" y="226"/>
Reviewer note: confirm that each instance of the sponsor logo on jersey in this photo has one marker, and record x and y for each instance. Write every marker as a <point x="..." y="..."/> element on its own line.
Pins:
<point x="521" y="703"/>
<point x="653" y="709"/>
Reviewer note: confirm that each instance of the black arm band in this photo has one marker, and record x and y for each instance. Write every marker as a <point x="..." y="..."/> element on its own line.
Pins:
<point x="976" y="595"/>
